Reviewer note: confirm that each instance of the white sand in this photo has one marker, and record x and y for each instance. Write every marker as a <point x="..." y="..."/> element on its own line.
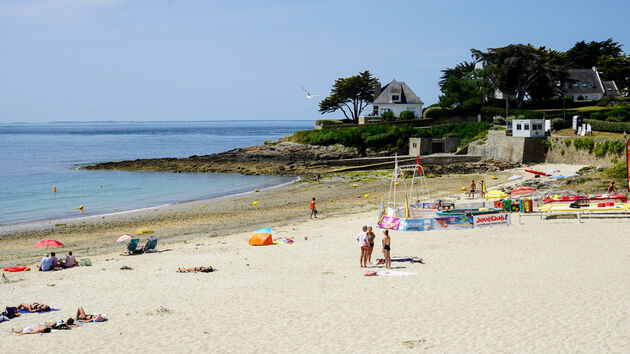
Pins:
<point x="545" y="286"/>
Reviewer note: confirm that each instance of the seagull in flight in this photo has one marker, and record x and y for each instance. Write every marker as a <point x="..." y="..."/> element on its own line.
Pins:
<point x="308" y="94"/>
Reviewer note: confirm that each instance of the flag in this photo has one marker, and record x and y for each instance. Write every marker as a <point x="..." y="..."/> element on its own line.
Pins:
<point x="418" y="164"/>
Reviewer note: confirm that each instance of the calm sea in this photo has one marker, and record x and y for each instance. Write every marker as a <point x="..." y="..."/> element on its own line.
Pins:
<point x="34" y="158"/>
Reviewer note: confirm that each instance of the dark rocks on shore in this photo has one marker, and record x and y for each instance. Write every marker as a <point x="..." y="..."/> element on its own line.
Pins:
<point x="279" y="158"/>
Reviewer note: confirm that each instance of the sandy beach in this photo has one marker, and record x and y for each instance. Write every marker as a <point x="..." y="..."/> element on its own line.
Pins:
<point x="540" y="286"/>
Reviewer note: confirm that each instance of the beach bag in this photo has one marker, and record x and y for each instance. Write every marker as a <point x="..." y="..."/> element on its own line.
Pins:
<point x="315" y="211"/>
<point x="10" y="312"/>
<point x="85" y="262"/>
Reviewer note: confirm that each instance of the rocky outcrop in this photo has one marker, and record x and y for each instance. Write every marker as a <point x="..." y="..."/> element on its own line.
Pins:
<point x="277" y="158"/>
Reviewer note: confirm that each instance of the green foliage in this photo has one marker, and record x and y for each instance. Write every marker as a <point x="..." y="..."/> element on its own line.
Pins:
<point x="619" y="113"/>
<point x="601" y="126"/>
<point x="604" y="101"/>
<point x="464" y="87"/>
<point x="617" y="171"/>
<point x="584" y="144"/>
<point x="558" y="124"/>
<point x="407" y="115"/>
<point x="567" y="142"/>
<point x="388" y="116"/>
<point x="547" y="144"/>
<point x="586" y="55"/>
<point x="562" y="152"/>
<point x="324" y="122"/>
<point x="433" y="112"/>
<point x="491" y="112"/>
<point x="599" y="115"/>
<point x="350" y="95"/>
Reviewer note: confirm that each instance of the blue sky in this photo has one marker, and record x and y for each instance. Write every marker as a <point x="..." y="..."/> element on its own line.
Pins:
<point x="82" y="60"/>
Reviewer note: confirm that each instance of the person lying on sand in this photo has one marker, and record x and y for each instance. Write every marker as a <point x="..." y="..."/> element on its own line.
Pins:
<point x="34" y="307"/>
<point x="196" y="270"/>
<point x="67" y="324"/>
<point x="84" y="317"/>
<point x="45" y="328"/>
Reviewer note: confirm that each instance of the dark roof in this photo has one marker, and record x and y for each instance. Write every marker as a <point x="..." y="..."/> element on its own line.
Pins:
<point x="585" y="81"/>
<point x="406" y="95"/>
<point x="610" y="89"/>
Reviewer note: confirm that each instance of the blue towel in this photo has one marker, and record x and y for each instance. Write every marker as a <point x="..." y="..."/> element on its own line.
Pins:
<point x="51" y="309"/>
<point x="266" y="230"/>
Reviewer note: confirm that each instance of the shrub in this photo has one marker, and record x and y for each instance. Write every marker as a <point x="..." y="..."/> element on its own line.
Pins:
<point x="557" y="124"/>
<point x="567" y="142"/>
<point x="604" y="101"/>
<point x="433" y="112"/>
<point x="584" y="144"/>
<point x="562" y="152"/>
<point x="546" y="143"/>
<point x="407" y="115"/>
<point x="617" y="171"/>
<point x="498" y="120"/>
<point x="619" y="113"/>
<point x="602" y="126"/>
<point x="325" y="122"/>
<point x="580" y="98"/>
<point x="388" y="116"/>
<point x="598" y="115"/>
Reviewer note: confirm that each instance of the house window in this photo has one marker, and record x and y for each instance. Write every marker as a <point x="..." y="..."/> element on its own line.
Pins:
<point x="576" y="85"/>
<point x="584" y="85"/>
<point x="395" y="98"/>
<point x="383" y="110"/>
<point x="518" y="127"/>
<point x="526" y="127"/>
<point x="415" y="145"/>
<point x="413" y="109"/>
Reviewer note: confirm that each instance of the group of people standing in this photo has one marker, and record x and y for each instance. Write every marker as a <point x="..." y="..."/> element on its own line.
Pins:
<point x="366" y="240"/>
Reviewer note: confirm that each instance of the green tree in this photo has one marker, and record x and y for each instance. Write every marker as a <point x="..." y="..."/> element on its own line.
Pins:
<point x="461" y="87"/>
<point x="388" y="116"/>
<point x="616" y="69"/>
<point x="350" y="95"/>
<point x="586" y="55"/>
<point x="523" y="70"/>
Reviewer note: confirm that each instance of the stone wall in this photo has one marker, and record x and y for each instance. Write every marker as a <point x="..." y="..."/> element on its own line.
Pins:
<point x="561" y="153"/>
<point x="508" y="148"/>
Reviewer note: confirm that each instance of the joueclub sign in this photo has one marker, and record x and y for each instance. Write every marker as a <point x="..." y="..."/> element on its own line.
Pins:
<point x="491" y="219"/>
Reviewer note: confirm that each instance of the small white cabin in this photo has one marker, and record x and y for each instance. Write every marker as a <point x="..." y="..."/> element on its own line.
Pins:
<point x="528" y="128"/>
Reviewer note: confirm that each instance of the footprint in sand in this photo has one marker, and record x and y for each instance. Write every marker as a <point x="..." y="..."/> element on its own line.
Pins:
<point x="414" y="343"/>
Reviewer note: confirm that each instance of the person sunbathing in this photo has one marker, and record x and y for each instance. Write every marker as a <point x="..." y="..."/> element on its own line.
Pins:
<point x="34" y="307"/>
<point x="196" y="270"/>
<point x="84" y="317"/>
<point x="45" y="328"/>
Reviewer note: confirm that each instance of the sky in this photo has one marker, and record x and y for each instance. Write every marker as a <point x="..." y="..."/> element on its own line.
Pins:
<point x="156" y="60"/>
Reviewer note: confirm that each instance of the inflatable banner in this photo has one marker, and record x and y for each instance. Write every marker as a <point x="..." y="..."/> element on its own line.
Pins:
<point x="491" y="219"/>
<point x="453" y="222"/>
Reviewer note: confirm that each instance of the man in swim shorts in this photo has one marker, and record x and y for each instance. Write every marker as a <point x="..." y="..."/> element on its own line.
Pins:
<point x="471" y="193"/>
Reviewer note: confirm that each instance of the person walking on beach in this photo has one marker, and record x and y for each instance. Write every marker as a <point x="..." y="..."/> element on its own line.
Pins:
<point x="471" y="192"/>
<point x="611" y="187"/>
<point x="362" y="239"/>
<point x="387" y="241"/>
<point x="313" y="210"/>
<point x="370" y="236"/>
<point x="319" y="178"/>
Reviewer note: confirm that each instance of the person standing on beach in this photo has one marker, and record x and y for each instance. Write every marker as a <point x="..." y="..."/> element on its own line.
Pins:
<point x="313" y="210"/>
<point x="370" y="236"/>
<point x="483" y="189"/>
<point x="471" y="193"/>
<point x="362" y="239"/>
<point x="611" y="187"/>
<point x="387" y="242"/>
<point x="319" y="178"/>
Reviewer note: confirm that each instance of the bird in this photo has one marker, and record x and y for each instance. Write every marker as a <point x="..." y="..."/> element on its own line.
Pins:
<point x="308" y="94"/>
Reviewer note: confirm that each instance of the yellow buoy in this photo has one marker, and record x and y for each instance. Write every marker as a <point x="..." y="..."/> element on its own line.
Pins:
<point x="203" y="206"/>
<point x="367" y="196"/>
<point x="256" y="190"/>
<point x="398" y="183"/>
<point x="55" y="189"/>
<point x="330" y="200"/>
<point x="81" y="207"/>
<point x="144" y="231"/>
<point x="115" y="209"/>
<point x="493" y="177"/>
<point x="255" y="202"/>
<point x="355" y="185"/>
<point x="464" y="189"/>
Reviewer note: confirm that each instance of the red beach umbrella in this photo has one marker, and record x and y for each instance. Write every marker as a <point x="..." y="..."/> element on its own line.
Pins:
<point x="48" y="243"/>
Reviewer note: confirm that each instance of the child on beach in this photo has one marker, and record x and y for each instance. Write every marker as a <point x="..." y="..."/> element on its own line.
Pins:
<point x="313" y="210"/>
<point x="387" y="242"/>
<point x="611" y="187"/>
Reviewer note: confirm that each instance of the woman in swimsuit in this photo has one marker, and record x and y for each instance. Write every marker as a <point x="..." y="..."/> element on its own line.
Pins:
<point x="45" y="328"/>
<point x="387" y="242"/>
<point x="196" y="270"/>
<point x="34" y="307"/>
<point x="371" y="237"/>
<point x="84" y="317"/>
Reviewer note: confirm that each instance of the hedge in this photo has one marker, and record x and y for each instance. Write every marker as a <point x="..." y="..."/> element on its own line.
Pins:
<point x="603" y="126"/>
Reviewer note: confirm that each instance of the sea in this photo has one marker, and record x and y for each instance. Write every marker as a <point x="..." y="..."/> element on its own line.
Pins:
<point x="41" y="179"/>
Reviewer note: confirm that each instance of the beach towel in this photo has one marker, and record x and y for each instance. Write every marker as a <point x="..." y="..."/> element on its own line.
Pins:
<point x="412" y="260"/>
<point x="395" y="273"/>
<point x="51" y="310"/>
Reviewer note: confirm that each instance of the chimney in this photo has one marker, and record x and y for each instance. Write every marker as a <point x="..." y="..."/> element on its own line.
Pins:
<point x="377" y="90"/>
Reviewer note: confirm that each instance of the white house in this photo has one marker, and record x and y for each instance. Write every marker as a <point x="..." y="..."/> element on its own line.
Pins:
<point x="528" y="128"/>
<point x="396" y="97"/>
<point x="587" y="85"/>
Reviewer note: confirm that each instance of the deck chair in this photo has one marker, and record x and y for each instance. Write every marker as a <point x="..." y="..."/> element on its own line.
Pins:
<point x="133" y="245"/>
<point x="151" y="246"/>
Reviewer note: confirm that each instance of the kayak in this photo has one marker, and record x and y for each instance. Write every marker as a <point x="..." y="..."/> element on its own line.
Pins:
<point x="523" y="191"/>
<point x="15" y="269"/>
<point x="463" y="212"/>
<point x="537" y="172"/>
<point x="585" y="207"/>
<point x="496" y="194"/>
<point x="593" y="197"/>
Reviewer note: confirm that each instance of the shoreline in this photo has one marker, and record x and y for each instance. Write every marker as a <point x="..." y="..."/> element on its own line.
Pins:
<point x="4" y="228"/>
